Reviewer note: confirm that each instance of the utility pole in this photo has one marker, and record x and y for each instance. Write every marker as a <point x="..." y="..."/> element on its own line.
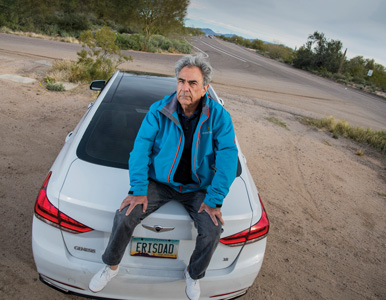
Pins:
<point x="342" y="61"/>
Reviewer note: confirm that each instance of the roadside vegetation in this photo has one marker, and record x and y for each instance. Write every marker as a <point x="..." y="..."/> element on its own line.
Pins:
<point x="158" y="26"/>
<point x="99" y="59"/>
<point x="376" y="139"/>
<point x="325" y="58"/>
<point x="52" y="85"/>
<point x="277" y="122"/>
<point x="104" y="28"/>
<point x="145" y="25"/>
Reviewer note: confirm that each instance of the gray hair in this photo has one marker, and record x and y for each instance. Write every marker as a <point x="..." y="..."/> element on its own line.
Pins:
<point x="199" y="61"/>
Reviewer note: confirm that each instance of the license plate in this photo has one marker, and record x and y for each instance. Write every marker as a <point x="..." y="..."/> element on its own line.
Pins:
<point x="154" y="247"/>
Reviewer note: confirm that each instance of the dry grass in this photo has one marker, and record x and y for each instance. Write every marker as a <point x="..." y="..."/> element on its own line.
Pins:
<point x="277" y="122"/>
<point x="377" y="139"/>
<point x="66" y="39"/>
<point x="61" y="70"/>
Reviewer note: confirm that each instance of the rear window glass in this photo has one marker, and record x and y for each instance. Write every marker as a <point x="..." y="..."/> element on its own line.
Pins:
<point x="143" y="91"/>
<point x="110" y="136"/>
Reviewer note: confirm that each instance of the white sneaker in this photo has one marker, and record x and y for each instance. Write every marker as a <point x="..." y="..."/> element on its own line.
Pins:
<point x="192" y="287"/>
<point x="100" y="279"/>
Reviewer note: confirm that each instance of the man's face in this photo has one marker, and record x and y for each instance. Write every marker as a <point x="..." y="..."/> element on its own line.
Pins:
<point x="190" y="87"/>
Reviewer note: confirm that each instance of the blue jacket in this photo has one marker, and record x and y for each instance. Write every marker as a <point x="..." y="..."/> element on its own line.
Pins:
<point x="160" y="141"/>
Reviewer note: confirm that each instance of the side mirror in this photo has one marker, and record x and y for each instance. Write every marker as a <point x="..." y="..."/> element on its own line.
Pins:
<point x="97" y="85"/>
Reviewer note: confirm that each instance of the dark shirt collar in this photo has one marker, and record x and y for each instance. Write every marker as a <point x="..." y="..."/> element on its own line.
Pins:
<point x="196" y="112"/>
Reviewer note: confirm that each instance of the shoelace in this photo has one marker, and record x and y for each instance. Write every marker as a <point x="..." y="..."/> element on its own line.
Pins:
<point x="194" y="282"/>
<point x="105" y="271"/>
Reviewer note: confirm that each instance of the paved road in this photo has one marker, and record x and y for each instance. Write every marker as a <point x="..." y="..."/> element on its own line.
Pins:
<point x="241" y="72"/>
<point x="279" y="83"/>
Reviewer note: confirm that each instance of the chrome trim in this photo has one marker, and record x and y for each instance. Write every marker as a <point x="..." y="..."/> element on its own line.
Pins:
<point x="157" y="228"/>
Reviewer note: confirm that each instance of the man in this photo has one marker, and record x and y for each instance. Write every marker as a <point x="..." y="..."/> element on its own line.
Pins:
<point x="185" y="151"/>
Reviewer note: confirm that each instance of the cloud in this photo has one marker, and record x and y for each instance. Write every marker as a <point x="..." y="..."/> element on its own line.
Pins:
<point x="360" y="25"/>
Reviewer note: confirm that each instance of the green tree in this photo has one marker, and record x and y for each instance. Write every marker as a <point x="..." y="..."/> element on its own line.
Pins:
<point x="160" y="16"/>
<point x="8" y="13"/>
<point x="24" y="14"/>
<point x="356" y="67"/>
<point x="257" y="45"/>
<point x="379" y="76"/>
<point x="115" y="11"/>
<point x="319" y="53"/>
<point x="304" y="58"/>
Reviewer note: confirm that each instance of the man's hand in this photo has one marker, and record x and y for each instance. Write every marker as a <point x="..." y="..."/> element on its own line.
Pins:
<point x="214" y="213"/>
<point x="132" y="201"/>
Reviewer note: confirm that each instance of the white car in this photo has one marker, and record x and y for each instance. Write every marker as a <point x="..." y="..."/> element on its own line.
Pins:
<point x="76" y="205"/>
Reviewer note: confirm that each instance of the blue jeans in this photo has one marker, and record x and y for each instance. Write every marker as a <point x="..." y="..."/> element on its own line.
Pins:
<point x="159" y="194"/>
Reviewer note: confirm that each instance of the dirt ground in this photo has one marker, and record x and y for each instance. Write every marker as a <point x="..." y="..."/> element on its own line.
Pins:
<point x="325" y="203"/>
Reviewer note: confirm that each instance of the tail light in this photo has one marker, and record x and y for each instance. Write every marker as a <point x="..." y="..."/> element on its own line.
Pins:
<point x="48" y="213"/>
<point x="250" y="235"/>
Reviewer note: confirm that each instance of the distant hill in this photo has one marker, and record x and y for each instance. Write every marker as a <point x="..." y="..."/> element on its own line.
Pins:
<point x="209" y="31"/>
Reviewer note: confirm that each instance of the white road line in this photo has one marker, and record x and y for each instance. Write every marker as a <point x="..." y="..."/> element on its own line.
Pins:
<point x="223" y="51"/>
<point x="227" y="53"/>
<point x="206" y="54"/>
<point x="232" y="55"/>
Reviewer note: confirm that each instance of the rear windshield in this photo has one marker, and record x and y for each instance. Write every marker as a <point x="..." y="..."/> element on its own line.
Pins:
<point x="110" y="136"/>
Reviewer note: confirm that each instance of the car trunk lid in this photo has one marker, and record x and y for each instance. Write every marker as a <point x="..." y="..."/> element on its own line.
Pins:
<point x="91" y="194"/>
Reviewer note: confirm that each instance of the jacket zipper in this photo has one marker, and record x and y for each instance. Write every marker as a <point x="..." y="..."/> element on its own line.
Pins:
<point x="196" y="150"/>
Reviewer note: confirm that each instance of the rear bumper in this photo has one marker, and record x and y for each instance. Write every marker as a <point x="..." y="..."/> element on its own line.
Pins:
<point x="61" y="270"/>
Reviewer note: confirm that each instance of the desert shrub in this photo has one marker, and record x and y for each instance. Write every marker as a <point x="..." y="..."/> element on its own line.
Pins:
<point x="338" y="77"/>
<point x="181" y="46"/>
<point x="279" y="52"/>
<point x="52" y="85"/>
<point x="359" y="80"/>
<point x="131" y="41"/>
<point x="56" y="87"/>
<point x="73" y="22"/>
<point x="157" y="43"/>
<point x="99" y="57"/>
<point x="50" y="29"/>
<point x="341" y="128"/>
<point x="161" y="42"/>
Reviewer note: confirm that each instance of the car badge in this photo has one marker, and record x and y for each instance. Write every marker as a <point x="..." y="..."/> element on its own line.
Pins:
<point x="157" y="228"/>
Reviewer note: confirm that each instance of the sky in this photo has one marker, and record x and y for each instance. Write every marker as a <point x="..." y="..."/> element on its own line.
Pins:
<point x="359" y="24"/>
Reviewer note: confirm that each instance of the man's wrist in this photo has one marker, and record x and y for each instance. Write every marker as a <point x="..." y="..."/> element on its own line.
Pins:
<point x="137" y="193"/>
<point x="212" y="205"/>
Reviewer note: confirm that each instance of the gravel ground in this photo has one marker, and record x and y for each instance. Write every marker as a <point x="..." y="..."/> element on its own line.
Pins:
<point x="325" y="203"/>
